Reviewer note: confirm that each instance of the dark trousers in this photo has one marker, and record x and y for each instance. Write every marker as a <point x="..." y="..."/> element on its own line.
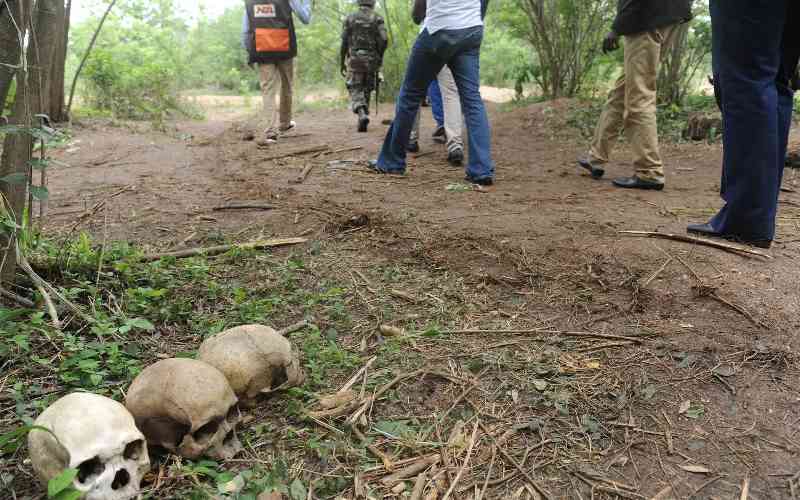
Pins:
<point x="460" y="51"/>
<point x="752" y="47"/>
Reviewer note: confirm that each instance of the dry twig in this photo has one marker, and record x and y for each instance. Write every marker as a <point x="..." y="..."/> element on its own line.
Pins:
<point x="736" y="249"/>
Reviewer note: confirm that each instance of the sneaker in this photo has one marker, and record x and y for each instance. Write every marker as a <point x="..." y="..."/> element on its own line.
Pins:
<point x="363" y="120"/>
<point x="455" y="156"/>
<point x="292" y="125"/>
<point x="413" y="146"/>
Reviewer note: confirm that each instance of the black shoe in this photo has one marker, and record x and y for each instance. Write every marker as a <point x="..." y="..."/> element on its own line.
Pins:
<point x="708" y="231"/>
<point x="363" y="123"/>
<point x="413" y="147"/>
<point x="455" y="157"/>
<point x="486" y="181"/>
<point x="373" y="165"/>
<point x="637" y="183"/>
<point x="596" y="171"/>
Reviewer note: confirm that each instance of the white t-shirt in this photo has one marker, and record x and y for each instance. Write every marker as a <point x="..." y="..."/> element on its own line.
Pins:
<point x="452" y="15"/>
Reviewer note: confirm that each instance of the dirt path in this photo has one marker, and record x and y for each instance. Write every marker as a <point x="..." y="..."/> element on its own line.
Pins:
<point x="541" y="249"/>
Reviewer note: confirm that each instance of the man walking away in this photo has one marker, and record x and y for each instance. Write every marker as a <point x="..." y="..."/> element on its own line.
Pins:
<point x="649" y="28"/>
<point x="756" y="46"/>
<point x="269" y="37"/>
<point x="364" y="42"/>
<point x="452" y="36"/>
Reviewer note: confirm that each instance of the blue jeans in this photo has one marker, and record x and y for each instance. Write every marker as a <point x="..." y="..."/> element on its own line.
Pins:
<point x="751" y="77"/>
<point x="460" y="50"/>
<point x="437" y="106"/>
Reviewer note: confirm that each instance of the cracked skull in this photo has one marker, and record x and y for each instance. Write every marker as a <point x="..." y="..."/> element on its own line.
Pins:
<point x="98" y="437"/>
<point x="255" y="359"/>
<point x="187" y="407"/>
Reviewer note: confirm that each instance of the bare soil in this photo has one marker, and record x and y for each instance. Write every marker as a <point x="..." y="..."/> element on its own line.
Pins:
<point x="540" y="250"/>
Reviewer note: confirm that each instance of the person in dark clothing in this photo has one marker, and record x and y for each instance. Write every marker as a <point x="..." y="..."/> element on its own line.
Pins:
<point x="364" y="41"/>
<point x="649" y="28"/>
<point x="756" y="46"/>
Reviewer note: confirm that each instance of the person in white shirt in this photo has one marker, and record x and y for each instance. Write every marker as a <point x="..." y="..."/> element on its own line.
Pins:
<point x="452" y="37"/>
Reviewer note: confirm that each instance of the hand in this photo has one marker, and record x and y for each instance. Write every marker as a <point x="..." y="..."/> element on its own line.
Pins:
<point x="610" y="42"/>
<point x="343" y="71"/>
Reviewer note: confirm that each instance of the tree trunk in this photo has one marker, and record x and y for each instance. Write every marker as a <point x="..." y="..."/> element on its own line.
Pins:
<point x="9" y="47"/>
<point x="56" y="108"/>
<point x="16" y="154"/>
<point x="32" y="88"/>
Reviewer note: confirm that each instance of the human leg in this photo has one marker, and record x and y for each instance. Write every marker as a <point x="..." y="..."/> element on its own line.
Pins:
<point x="610" y="123"/>
<point x="453" y="116"/>
<point x="465" y="66"/>
<point x="422" y="67"/>
<point x="435" y="98"/>
<point x="755" y="116"/>
<point x="270" y="79"/>
<point x="286" y="69"/>
<point x="642" y="59"/>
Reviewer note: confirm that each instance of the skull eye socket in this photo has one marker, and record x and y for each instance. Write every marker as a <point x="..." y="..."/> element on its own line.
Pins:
<point x="89" y="469"/>
<point x="229" y="437"/>
<point x="206" y="432"/>
<point x="233" y="414"/>
<point x="133" y="450"/>
<point x="121" y="479"/>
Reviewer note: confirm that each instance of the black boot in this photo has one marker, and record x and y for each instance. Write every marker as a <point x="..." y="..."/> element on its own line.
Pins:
<point x="363" y="119"/>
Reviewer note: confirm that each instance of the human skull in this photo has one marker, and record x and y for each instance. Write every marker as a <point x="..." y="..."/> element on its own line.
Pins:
<point x="98" y="437"/>
<point x="187" y="407"/>
<point x="254" y="358"/>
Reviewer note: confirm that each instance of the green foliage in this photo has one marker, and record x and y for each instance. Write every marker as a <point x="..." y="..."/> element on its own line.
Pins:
<point x="61" y="488"/>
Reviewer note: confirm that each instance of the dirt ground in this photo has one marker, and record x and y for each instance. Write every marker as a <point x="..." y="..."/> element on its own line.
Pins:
<point x="681" y="360"/>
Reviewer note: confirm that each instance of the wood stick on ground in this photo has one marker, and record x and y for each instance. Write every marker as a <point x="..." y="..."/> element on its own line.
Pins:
<point x="245" y="206"/>
<point x="419" y="487"/>
<point x="295" y="327"/>
<point x="658" y="271"/>
<point x="220" y="249"/>
<point x="463" y="467"/>
<point x="545" y="331"/>
<point x="488" y="474"/>
<point x="411" y="470"/>
<point x="727" y="247"/>
<point x="745" y="488"/>
<point x="387" y="462"/>
<point x="29" y="304"/>
<point x="303" y="175"/>
<point x="513" y="462"/>
<point x="741" y="310"/>
<point x="352" y="381"/>
<point x="704" y="486"/>
<point x="346" y="150"/>
<point x="297" y="152"/>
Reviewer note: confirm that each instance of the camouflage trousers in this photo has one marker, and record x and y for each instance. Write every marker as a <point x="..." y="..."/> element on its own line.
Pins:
<point x="360" y="85"/>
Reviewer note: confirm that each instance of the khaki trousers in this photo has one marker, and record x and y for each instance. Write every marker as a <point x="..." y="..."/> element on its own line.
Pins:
<point x="632" y="104"/>
<point x="453" y="117"/>
<point x="279" y="74"/>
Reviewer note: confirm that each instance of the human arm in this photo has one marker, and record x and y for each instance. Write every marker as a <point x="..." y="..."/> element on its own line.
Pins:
<point x="303" y="10"/>
<point x="345" y="48"/>
<point x="246" y="31"/>
<point x="419" y="10"/>
<point x="383" y="38"/>
<point x="484" y="8"/>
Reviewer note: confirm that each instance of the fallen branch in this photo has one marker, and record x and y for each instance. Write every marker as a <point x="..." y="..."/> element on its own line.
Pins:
<point x="545" y="331"/>
<point x="297" y="152"/>
<point x="387" y="462"/>
<point x="735" y="249"/>
<point x="411" y="470"/>
<point x="28" y="304"/>
<point x="220" y="249"/>
<point x="243" y="207"/>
